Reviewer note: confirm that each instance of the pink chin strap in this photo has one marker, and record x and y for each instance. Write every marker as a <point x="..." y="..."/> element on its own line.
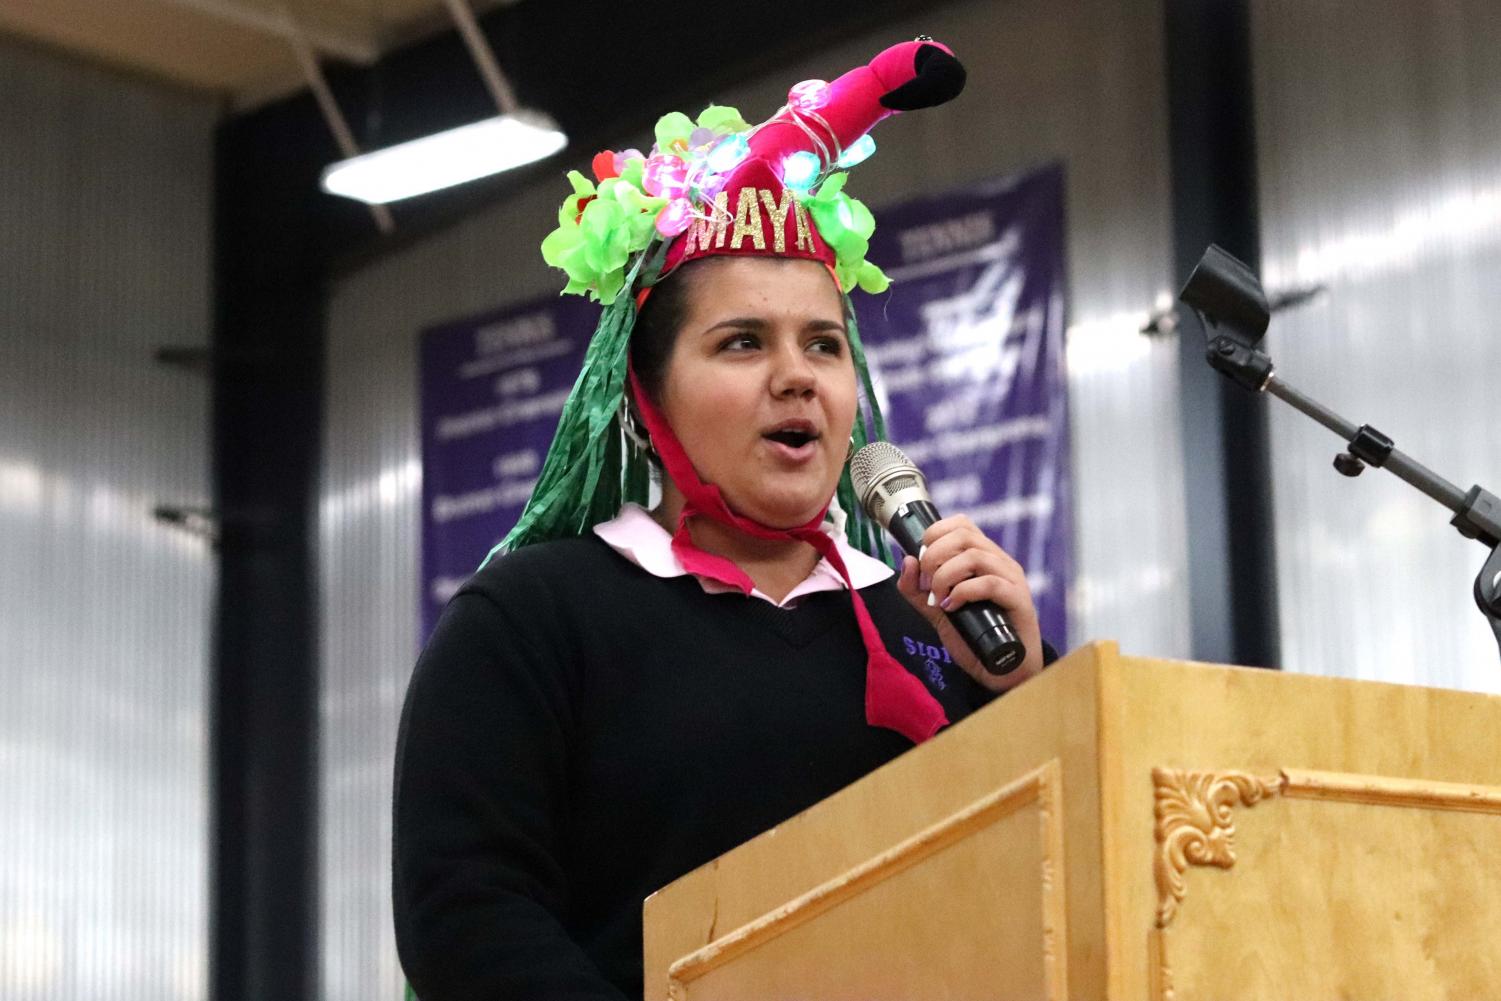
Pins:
<point x="894" y="698"/>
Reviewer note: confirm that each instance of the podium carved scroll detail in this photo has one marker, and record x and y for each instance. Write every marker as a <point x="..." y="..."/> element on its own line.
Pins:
<point x="1195" y="825"/>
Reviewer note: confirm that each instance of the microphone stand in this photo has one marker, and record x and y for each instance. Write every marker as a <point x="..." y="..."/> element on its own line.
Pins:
<point x="1229" y="300"/>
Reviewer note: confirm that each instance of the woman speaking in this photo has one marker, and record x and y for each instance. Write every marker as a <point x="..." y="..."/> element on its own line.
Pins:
<point x="620" y="694"/>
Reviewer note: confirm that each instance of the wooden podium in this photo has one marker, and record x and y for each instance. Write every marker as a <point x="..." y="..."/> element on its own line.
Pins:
<point x="1124" y="828"/>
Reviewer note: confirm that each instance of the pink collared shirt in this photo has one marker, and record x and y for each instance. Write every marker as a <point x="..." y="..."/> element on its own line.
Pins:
<point x="634" y="534"/>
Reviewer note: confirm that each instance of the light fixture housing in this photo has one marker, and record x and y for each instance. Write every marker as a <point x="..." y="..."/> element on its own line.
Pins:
<point x="444" y="159"/>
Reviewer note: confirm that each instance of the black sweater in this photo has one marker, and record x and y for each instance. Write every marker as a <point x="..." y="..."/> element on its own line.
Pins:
<point x="579" y="733"/>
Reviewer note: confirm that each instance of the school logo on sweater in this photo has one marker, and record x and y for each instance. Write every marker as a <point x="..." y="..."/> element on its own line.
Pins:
<point x="930" y="657"/>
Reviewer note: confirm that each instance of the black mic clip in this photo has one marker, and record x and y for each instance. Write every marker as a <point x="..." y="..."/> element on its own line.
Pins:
<point x="1228" y="299"/>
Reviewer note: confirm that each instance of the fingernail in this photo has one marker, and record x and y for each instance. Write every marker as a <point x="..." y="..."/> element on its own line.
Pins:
<point x="925" y="582"/>
<point x="921" y="550"/>
<point x="944" y="604"/>
<point x="933" y="599"/>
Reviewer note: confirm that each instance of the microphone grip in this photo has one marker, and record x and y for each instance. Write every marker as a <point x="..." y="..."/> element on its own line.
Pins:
<point x="984" y="627"/>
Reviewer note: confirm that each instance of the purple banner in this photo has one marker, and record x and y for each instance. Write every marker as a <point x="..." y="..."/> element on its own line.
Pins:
<point x="966" y="352"/>
<point x="492" y="389"/>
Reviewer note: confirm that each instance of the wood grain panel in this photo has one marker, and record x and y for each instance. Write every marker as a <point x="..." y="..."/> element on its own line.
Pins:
<point x="1373" y="835"/>
<point x="1347" y="885"/>
<point x="974" y="898"/>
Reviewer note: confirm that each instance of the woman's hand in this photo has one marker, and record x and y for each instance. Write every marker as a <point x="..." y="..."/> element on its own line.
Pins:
<point x="959" y="565"/>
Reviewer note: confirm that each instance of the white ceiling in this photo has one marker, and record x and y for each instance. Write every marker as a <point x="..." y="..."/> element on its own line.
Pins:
<point x="239" y="49"/>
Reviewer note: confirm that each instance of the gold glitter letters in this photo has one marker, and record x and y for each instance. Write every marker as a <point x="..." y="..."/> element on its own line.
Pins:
<point x="776" y="213"/>
<point x="702" y="231"/>
<point x="804" y="239"/>
<point x="721" y="219"/>
<point x="748" y="221"/>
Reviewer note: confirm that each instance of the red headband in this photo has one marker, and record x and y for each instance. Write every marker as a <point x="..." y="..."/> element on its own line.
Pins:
<point x="641" y="295"/>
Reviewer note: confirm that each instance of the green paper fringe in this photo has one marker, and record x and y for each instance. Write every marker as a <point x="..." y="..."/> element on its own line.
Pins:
<point x="864" y="534"/>
<point x="589" y="473"/>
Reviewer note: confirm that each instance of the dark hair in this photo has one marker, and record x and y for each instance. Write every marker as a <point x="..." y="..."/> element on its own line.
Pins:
<point x="656" y="330"/>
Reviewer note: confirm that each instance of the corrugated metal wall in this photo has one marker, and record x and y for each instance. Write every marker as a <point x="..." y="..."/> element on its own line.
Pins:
<point x="1083" y="84"/>
<point x="1380" y="164"/>
<point x="104" y="254"/>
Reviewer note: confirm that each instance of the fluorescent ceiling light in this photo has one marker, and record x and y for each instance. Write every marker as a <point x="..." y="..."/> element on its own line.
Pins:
<point x="445" y="158"/>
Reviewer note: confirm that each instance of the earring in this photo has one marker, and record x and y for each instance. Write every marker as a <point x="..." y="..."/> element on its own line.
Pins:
<point x="638" y="436"/>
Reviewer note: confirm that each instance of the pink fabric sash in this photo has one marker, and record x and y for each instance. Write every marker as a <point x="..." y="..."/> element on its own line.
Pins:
<point x="894" y="698"/>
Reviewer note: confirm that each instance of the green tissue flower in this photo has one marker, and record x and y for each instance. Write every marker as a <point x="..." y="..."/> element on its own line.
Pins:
<point x="671" y="126"/>
<point x="640" y="209"/>
<point x="846" y="225"/>
<point x="722" y="119"/>
<point x="599" y="229"/>
<point x="583" y="189"/>
<point x="632" y="172"/>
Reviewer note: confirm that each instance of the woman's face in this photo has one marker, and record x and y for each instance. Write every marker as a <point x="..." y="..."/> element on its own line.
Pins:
<point x="760" y="386"/>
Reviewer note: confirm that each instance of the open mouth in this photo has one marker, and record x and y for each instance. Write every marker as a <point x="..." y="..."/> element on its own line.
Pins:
<point x="793" y="433"/>
<point x="790" y="437"/>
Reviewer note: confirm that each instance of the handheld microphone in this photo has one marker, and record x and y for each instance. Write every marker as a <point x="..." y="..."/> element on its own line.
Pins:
<point x="895" y="494"/>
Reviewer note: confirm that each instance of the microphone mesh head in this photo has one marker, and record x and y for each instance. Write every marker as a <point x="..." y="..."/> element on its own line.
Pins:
<point x="884" y="479"/>
<point x="871" y="464"/>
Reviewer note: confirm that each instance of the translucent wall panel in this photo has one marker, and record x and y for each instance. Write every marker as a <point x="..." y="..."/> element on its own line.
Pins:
<point x="1082" y="85"/>
<point x="1380" y="163"/>
<point x="104" y="251"/>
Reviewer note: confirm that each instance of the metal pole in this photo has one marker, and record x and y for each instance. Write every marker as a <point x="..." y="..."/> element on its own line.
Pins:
<point x="329" y="107"/>
<point x="1402" y="465"/>
<point x="484" y="58"/>
<point x="1313" y="408"/>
